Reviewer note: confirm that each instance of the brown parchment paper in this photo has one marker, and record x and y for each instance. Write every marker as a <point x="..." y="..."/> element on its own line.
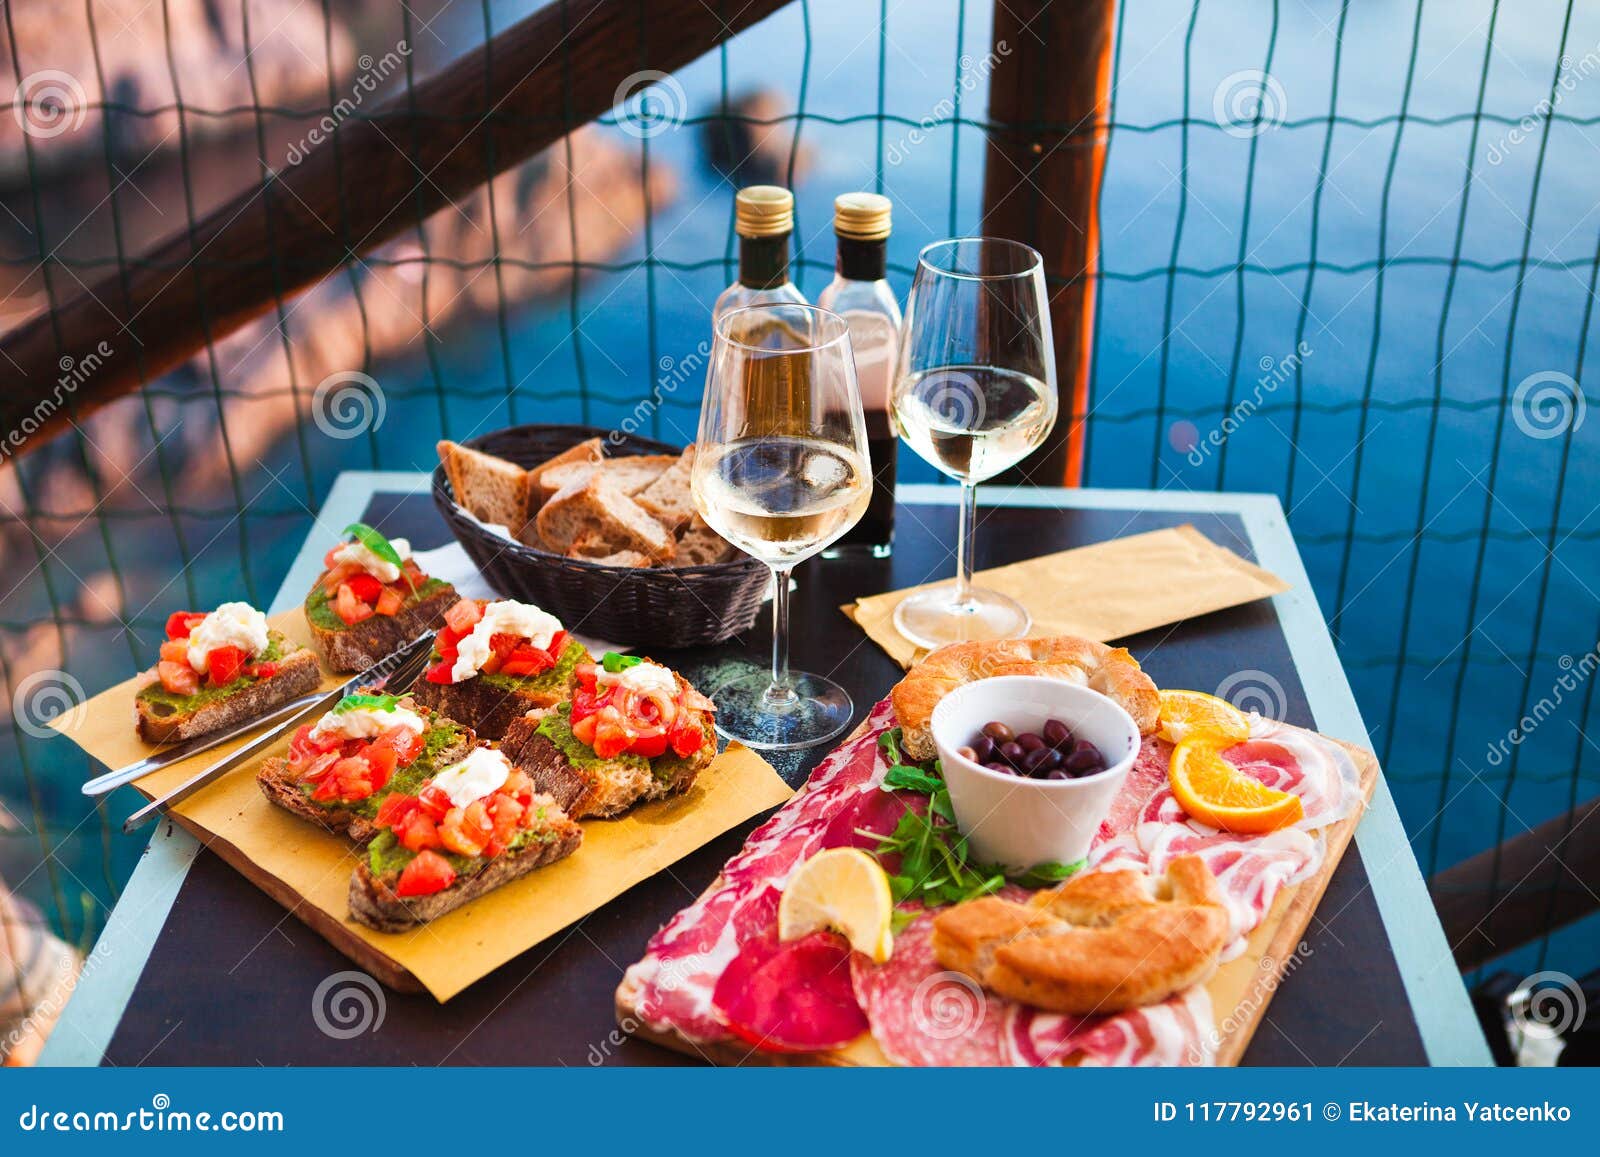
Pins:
<point x="1104" y="591"/>
<point x="452" y="952"/>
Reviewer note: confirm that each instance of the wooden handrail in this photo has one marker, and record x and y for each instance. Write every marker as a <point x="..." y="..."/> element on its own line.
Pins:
<point x="518" y="93"/>
<point x="1543" y="879"/>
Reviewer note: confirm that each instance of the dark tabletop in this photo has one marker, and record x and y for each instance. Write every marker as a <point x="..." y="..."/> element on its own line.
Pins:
<point x="231" y="978"/>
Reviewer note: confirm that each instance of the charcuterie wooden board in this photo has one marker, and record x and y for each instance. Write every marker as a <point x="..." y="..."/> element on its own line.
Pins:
<point x="1240" y="990"/>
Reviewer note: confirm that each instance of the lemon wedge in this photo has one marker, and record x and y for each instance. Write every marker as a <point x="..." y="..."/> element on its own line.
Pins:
<point x="843" y="890"/>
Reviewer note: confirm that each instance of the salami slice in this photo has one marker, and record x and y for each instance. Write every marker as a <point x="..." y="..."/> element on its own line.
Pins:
<point x="793" y="997"/>
<point x="1176" y="1032"/>
<point x="922" y="1014"/>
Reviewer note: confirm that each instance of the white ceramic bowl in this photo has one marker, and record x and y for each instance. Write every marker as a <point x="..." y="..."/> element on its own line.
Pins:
<point x="1016" y="821"/>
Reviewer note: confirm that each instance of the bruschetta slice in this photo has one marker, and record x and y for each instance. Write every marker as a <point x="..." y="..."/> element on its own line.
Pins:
<point x="340" y="769"/>
<point x="219" y="670"/>
<point x="470" y="828"/>
<point x="633" y="731"/>
<point x="493" y="661"/>
<point x="371" y="599"/>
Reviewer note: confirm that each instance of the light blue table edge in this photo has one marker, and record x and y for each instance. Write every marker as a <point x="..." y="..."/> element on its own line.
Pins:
<point x="1438" y="998"/>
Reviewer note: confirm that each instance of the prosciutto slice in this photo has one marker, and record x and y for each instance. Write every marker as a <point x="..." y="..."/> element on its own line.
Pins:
<point x="921" y="1014"/>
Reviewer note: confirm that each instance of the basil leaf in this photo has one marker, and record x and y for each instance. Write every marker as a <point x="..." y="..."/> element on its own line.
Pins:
<point x="375" y="542"/>
<point x="615" y="663"/>
<point x="362" y="700"/>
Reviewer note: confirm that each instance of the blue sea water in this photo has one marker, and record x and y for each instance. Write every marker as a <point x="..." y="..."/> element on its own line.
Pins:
<point x="1450" y="541"/>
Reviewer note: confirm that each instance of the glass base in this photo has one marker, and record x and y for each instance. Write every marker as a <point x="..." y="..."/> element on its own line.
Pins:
<point x="814" y="711"/>
<point x="933" y="618"/>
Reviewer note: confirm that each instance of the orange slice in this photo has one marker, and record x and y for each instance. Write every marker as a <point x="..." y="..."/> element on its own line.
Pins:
<point x="1215" y="792"/>
<point x="1183" y="713"/>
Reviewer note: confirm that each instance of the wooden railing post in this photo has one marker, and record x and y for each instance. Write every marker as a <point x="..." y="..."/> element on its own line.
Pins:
<point x="1049" y="89"/>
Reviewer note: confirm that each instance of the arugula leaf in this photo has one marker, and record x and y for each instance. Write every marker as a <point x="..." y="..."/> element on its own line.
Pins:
<point x="615" y="663"/>
<point x="362" y="700"/>
<point x="375" y="542"/>
<point x="936" y="867"/>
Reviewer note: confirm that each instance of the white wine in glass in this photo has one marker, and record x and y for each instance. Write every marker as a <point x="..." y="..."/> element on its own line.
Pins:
<point x="781" y="472"/>
<point x="976" y="395"/>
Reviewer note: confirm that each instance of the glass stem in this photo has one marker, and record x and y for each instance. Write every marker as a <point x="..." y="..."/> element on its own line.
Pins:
<point x="782" y="689"/>
<point x="966" y="540"/>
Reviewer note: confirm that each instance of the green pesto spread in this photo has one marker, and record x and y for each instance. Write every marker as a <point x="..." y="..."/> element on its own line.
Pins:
<point x="320" y="612"/>
<point x="557" y="728"/>
<point x="156" y="694"/>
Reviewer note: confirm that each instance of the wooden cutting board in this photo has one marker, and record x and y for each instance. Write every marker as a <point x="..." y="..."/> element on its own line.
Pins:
<point x="1240" y="991"/>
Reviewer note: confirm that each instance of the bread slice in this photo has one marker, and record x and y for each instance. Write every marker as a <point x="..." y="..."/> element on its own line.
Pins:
<point x="597" y="505"/>
<point x="489" y="704"/>
<point x="374" y="904"/>
<point x="491" y="488"/>
<point x="586" y="786"/>
<point x="355" y="648"/>
<point x="669" y="497"/>
<point x="637" y="472"/>
<point x="699" y="545"/>
<point x="569" y="474"/>
<point x="589" y="452"/>
<point x="163" y="718"/>
<point x="593" y="547"/>
<point x="448" y="742"/>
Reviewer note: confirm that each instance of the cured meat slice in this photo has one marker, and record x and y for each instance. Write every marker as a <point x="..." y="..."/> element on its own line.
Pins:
<point x="793" y="997"/>
<point x="671" y="987"/>
<point x="1179" y="1031"/>
<point x="923" y="1014"/>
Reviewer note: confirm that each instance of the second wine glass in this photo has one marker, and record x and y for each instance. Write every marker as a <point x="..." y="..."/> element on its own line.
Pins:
<point x="976" y="394"/>
<point x="781" y="471"/>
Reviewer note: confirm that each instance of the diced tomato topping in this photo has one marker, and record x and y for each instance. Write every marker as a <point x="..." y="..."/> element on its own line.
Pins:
<point x="328" y="561"/>
<point x="180" y="623"/>
<point x="463" y="616"/>
<point x="648" y="746"/>
<point x="177" y="678"/>
<point x="466" y="831"/>
<point x="584" y="704"/>
<point x="364" y="587"/>
<point x="526" y="659"/>
<point x="418" y="832"/>
<point x="406" y="743"/>
<point x="686" y="736"/>
<point x="394" y="810"/>
<point x="226" y="664"/>
<point x="261" y="670"/>
<point x="175" y="651"/>
<point x="584" y="728"/>
<point x="316" y="767"/>
<point x="349" y="608"/>
<point x="440" y="672"/>
<point x="390" y="601"/>
<point x="351" y="778"/>
<point x="518" y="786"/>
<point x="434" y="802"/>
<point x="428" y="873"/>
<point x="505" y="814"/>
<point x="383" y="759"/>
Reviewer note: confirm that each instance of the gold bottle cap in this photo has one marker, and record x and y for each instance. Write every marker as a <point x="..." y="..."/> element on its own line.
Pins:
<point x="763" y="211"/>
<point x="861" y="216"/>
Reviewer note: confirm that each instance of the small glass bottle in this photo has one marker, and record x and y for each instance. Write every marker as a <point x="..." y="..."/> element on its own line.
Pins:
<point x="861" y="294"/>
<point x="764" y="219"/>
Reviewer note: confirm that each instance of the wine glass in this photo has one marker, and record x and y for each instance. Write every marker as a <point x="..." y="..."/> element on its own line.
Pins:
<point x="976" y="393"/>
<point x="780" y="471"/>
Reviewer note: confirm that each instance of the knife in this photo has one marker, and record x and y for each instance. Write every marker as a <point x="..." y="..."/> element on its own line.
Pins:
<point x="402" y="665"/>
<point x="111" y="780"/>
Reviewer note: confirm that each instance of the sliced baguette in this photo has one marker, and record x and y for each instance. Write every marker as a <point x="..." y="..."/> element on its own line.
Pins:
<point x="596" y="505"/>
<point x="374" y="904"/>
<point x="669" y="497"/>
<point x="281" y="787"/>
<point x="159" y="722"/>
<point x="593" y="547"/>
<point x="491" y="488"/>
<point x="637" y="472"/>
<point x="588" y="453"/>
<point x="356" y="648"/>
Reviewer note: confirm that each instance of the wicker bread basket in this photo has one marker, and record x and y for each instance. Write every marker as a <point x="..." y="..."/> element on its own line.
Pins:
<point x="662" y="607"/>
